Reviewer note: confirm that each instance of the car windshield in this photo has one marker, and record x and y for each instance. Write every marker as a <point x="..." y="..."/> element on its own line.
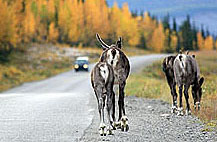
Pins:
<point x="81" y="62"/>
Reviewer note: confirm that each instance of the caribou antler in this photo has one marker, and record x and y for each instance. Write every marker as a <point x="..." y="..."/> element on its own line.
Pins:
<point x="103" y="44"/>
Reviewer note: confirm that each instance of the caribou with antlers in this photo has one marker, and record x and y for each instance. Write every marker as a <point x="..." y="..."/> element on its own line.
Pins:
<point x="119" y="62"/>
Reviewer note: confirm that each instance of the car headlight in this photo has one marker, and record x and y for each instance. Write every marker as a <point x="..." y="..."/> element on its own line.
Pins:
<point x="85" y="66"/>
<point x="76" y="66"/>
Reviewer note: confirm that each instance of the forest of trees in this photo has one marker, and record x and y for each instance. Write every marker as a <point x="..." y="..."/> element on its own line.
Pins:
<point x="76" y="22"/>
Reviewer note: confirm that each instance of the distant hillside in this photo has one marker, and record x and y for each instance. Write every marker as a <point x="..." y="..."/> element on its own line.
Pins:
<point x="201" y="11"/>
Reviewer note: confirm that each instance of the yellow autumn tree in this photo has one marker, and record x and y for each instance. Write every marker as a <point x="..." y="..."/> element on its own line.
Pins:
<point x="123" y="24"/>
<point x="75" y="9"/>
<point x="216" y="44"/>
<point x="148" y="25"/>
<point x="29" y="24"/>
<point x="92" y="18"/>
<point x="158" y="38"/>
<point x="174" y="41"/>
<point x="115" y="22"/>
<point x="53" y="33"/>
<point x="63" y="20"/>
<point x="17" y="8"/>
<point x="7" y="25"/>
<point x="209" y="43"/>
<point x="96" y="19"/>
<point x="104" y="20"/>
<point x="51" y="9"/>
<point x="129" y="26"/>
<point x="80" y="22"/>
<point x="200" y="41"/>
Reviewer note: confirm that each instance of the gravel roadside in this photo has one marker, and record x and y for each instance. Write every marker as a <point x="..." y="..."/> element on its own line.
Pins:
<point x="150" y="120"/>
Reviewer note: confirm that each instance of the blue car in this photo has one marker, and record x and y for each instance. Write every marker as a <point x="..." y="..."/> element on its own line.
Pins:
<point x="81" y="64"/>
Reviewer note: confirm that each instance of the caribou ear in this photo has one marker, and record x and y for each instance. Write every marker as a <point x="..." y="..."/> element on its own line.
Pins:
<point x="119" y="43"/>
<point x="201" y="81"/>
<point x="103" y="45"/>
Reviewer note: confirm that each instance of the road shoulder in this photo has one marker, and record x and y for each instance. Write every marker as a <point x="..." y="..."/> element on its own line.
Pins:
<point x="150" y="120"/>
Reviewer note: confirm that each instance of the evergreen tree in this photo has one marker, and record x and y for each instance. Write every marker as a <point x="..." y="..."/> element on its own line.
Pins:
<point x="134" y="13"/>
<point x="166" y="22"/>
<point x="186" y="34"/>
<point x="142" y="13"/>
<point x="142" y="42"/>
<point x="195" y="41"/>
<point x="174" y="25"/>
<point x="203" y="32"/>
<point x="207" y="32"/>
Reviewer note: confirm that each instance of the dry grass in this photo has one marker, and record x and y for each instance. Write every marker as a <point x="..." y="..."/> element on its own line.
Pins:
<point x="42" y="62"/>
<point x="151" y="83"/>
<point x="28" y="66"/>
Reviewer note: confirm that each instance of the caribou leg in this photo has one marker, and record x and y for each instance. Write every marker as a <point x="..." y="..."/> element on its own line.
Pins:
<point x="174" y="97"/>
<point x="109" y="108"/>
<point x="102" y="126"/>
<point x="188" y="110"/>
<point x="123" y="119"/>
<point x="180" y="109"/>
<point x="113" y="110"/>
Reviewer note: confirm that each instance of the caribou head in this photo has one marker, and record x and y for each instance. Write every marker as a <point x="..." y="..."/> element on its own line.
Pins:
<point x="112" y="54"/>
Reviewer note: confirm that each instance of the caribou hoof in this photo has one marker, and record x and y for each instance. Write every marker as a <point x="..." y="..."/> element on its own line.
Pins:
<point x="117" y="125"/>
<point x="124" y="124"/>
<point x="180" y="111"/>
<point x="197" y="106"/>
<point x="114" y="125"/>
<point x="109" y="131"/>
<point x="173" y="109"/>
<point x="187" y="112"/>
<point x="102" y="130"/>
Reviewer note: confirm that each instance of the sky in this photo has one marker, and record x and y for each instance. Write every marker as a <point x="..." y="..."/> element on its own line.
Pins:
<point x="202" y="12"/>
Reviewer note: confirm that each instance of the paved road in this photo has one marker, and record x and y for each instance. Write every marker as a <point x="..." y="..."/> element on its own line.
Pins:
<point x="55" y="110"/>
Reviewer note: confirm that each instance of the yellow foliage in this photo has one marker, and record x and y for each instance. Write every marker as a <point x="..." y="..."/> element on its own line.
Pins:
<point x="75" y="22"/>
<point x="29" y="24"/>
<point x="174" y="41"/>
<point x="53" y="33"/>
<point x="96" y="18"/>
<point x="51" y="9"/>
<point x="158" y="39"/>
<point x="200" y="41"/>
<point x="115" y="20"/>
<point x="209" y="43"/>
<point x="7" y="24"/>
<point x="148" y="25"/>
<point x="216" y="44"/>
<point x="122" y="23"/>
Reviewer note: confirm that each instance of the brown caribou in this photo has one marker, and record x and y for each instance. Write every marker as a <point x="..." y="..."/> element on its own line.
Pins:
<point x="167" y="66"/>
<point x="187" y="73"/>
<point x="102" y="80"/>
<point x="115" y="57"/>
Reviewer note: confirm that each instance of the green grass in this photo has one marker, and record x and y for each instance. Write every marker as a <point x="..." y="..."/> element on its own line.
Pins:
<point x="151" y="83"/>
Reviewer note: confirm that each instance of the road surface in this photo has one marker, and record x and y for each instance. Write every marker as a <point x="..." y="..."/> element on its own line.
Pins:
<point x="58" y="109"/>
